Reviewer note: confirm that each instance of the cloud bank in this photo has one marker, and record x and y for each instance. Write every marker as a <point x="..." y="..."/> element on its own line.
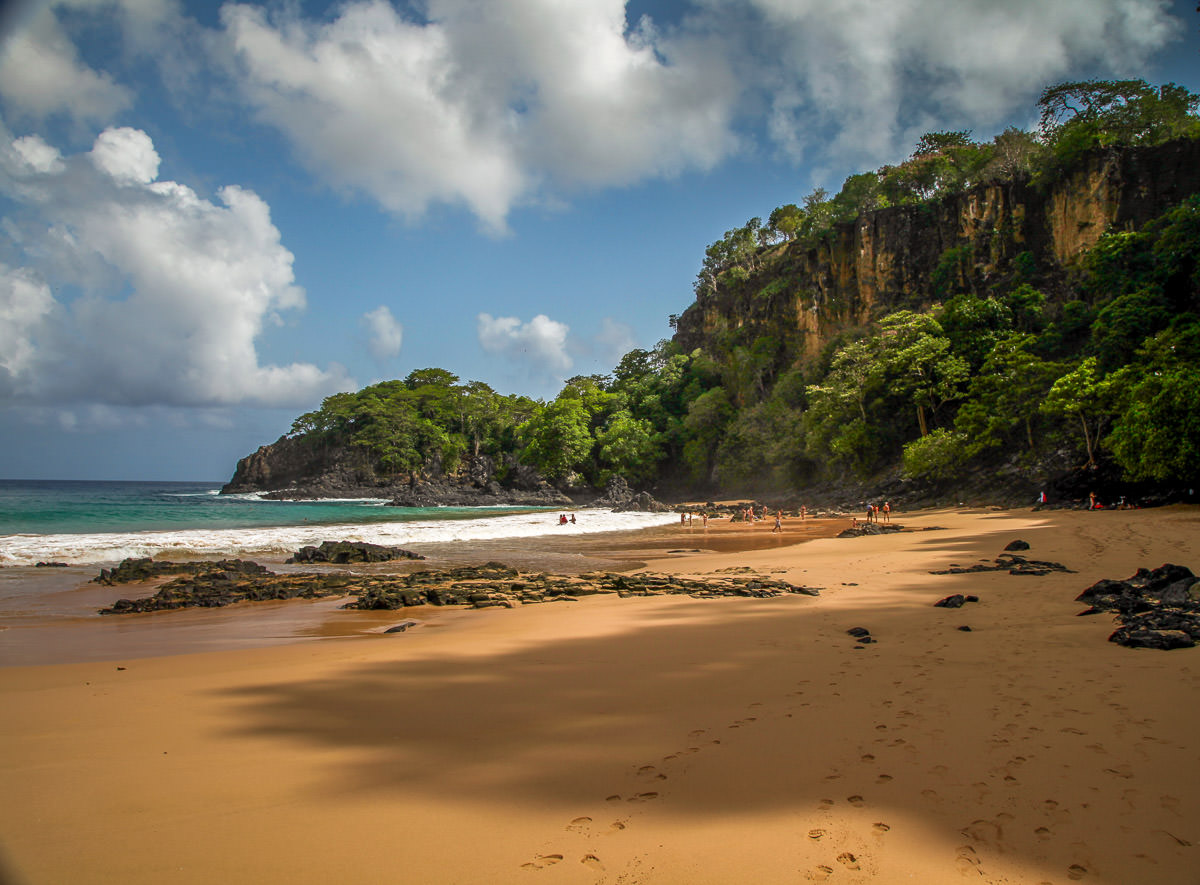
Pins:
<point x="492" y="106"/>
<point x="135" y="291"/>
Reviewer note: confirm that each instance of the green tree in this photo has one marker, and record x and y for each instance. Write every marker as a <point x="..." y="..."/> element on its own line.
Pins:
<point x="557" y="440"/>
<point x="629" y="447"/>
<point x="919" y="363"/>
<point x="1081" y="396"/>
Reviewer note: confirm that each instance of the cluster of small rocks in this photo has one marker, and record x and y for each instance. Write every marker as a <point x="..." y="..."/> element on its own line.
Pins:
<point x="209" y="584"/>
<point x="1156" y="608"/>
<point x="345" y="552"/>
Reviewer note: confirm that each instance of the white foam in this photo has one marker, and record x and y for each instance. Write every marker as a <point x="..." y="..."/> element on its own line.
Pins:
<point x="106" y="547"/>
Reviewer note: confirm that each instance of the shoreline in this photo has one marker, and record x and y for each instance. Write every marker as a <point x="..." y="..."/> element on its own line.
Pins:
<point x="654" y="740"/>
<point x="61" y="624"/>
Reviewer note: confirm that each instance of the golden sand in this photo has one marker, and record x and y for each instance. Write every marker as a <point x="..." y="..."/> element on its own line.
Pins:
<point x="650" y="740"/>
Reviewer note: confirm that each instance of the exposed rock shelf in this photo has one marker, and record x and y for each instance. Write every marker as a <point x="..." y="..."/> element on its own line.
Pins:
<point x="489" y="585"/>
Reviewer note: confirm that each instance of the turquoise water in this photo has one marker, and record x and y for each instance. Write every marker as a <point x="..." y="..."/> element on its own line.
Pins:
<point x="104" y="522"/>
<point x="72" y="507"/>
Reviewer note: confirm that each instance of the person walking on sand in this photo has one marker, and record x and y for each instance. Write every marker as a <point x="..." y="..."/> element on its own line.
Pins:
<point x="778" y="522"/>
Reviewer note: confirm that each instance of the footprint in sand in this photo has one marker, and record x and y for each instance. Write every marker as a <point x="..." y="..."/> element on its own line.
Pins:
<point x="542" y="861"/>
<point x="643" y="797"/>
<point x="816" y="834"/>
<point x="856" y="801"/>
<point x="967" y="860"/>
<point x="613" y="798"/>
<point x="578" y="825"/>
<point x="883" y="778"/>
<point x="848" y="860"/>
<point x="820" y="873"/>
<point x="1076" y="872"/>
<point x="616" y="826"/>
<point x="880" y="827"/>
<point x="825" y="804"/>
<point x="1043" y="832"/>
<point x="590" y="860"/>
<point x="867" y="758"/>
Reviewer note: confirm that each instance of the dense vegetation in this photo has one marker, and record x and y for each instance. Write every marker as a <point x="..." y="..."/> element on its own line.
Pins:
<point x="1103" y="368"/>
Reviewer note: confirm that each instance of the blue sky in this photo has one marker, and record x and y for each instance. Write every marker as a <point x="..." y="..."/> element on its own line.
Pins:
<point x="212" y="216"/>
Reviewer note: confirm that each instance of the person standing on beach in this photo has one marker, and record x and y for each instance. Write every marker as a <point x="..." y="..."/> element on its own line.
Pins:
<point x="778" y="522"/>
<point x="803" y="511"/>
<point x="887" y="512"/>
<point x="870" y="513"/>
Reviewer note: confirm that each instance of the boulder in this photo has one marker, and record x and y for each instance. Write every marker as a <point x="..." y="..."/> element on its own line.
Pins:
<point x="955" y="601"/>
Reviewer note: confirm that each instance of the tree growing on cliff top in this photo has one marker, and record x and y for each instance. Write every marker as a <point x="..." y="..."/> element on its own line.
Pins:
<point x="1080" y="115"/>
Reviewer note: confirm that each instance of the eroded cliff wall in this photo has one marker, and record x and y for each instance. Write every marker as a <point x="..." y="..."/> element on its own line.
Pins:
<point x="893" y="258"/>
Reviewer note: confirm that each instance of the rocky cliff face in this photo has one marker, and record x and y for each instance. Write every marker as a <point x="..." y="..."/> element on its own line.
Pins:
<point x="892" y="259"/>
<point x="292" y="468"/>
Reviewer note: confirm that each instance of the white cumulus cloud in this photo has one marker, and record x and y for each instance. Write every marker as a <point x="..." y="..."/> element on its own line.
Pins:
<point x="157" y="294"/>
<point x="385" y="334"/>
<point x="482" y="105"/>
<point x="42" y="74"/>
<point x="540" y="344"/>
<point x="126" y="154"/>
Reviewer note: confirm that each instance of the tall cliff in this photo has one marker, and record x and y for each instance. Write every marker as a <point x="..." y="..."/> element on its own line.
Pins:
<point x="907" y="256"/>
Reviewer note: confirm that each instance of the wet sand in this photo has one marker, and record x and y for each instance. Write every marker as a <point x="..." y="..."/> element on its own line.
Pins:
<point x="649" y="740"/>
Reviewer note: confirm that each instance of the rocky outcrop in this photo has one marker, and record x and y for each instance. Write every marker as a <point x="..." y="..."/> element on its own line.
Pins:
<point x="1156" y="608"/>
<point x="490" y="585"/>
<point x="296" y="468"/>
<point x="889" y="259"/>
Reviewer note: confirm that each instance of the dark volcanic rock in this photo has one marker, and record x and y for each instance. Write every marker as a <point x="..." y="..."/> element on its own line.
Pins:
<point x="1017" y="545"/>
<point x="341" y="552"/>
<point x="1156" y="608"/>
<point x="955" y="601"/>
<point x="1009" y="562"/>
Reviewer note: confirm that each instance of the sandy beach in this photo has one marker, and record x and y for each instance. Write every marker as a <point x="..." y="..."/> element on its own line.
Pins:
<point x="649" y="740"/>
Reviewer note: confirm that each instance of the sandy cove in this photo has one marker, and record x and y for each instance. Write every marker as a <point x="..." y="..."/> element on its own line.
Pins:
<point x="650" y="740"/>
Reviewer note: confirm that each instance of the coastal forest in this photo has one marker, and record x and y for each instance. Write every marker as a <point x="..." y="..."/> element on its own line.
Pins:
<point x="1015" y="313"/>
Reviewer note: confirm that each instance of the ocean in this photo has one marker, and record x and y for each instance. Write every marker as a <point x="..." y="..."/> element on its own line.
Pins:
<point x="101" y="523"/>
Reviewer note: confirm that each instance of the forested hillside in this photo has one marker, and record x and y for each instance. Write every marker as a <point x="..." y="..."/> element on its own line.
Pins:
<point x="1023" y="307"/>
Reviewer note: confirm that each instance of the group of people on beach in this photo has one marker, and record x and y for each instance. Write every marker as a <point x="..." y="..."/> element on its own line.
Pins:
<point x="562" y="519"/>
<point x="874" y="512"/>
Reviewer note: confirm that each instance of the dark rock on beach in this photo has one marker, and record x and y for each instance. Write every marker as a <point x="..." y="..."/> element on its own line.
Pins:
<point x="1007" y="562"/>
<point x="1017" y="545"/>
<point x="1155" y="608"/>
<point x="955" y="601"/>
<point x="343" y="552"/>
